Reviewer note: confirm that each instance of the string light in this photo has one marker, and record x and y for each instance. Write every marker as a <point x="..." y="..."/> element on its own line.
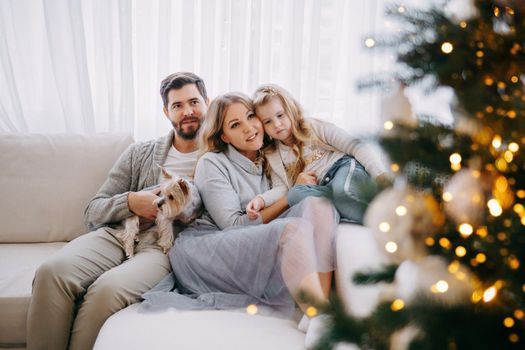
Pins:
<point x="461" y="251"/>
<point x="391" y="247"/>
<point x="513" y="147"/>
<point x="447" y="47"/>
<point x="445" y="243"/>
<point x="481" y="258"/>
<point x="465" y="229"/>
<point x="251" y="309"/>
<point x="384" y="227"/>
<point x="440" y="287"/>
<point x="401" y="210"/>
<point x="370" y="42"/>
<point x="519" y="314"/>
<point x="311" y="311"/>
<point x="489" y="294"/>
<point x="494" y="207"/>
<point x="388" y="125"/>
<point x="394" y="167"/>
<point x="447" y="196"/>
<point x="496" y="142"/>
<point x="455" y="161"/>
<point x="508" y="322"/>
<point x="397" y="305"/>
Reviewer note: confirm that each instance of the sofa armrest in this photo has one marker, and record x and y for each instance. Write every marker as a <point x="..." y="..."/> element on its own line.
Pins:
<point x="357" y="251"/>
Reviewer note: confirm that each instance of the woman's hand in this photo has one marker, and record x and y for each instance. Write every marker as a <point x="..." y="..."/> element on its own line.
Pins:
<point x="141" y="203"/>
<point x="306" y="178"/>
<point x="254" y="207"/>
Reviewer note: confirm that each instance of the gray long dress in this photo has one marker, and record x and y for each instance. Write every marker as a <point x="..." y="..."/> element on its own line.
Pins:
<point x="224" y="260"/>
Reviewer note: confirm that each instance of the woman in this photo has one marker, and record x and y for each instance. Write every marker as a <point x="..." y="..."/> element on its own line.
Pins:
<point x="225" y="260"/>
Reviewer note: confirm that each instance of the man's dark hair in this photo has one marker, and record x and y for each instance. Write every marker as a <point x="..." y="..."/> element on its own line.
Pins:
<point x="177" y="81"/>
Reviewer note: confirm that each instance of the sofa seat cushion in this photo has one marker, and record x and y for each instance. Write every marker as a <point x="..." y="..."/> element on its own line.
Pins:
<point x="18" y="263"/>
<point x="209" y="329"/>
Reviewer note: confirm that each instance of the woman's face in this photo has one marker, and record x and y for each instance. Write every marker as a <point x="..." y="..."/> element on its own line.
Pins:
<point x="243" y="130"/>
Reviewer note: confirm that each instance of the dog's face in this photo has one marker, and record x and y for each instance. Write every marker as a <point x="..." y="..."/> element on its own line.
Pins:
<point x="173" y="197"/>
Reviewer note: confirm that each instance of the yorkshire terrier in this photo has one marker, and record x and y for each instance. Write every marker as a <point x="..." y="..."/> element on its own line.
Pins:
<point x="178" y="200"/>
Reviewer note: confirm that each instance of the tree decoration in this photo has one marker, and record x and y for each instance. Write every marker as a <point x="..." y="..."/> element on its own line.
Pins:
<point x="456" y="230"/>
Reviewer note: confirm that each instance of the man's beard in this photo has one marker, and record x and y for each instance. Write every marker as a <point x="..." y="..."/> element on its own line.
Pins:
<point x="190" y="134"/>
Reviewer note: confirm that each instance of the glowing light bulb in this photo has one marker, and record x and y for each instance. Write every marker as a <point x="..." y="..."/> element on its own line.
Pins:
<point x="447" y="47"/>
<point x="384" y="227"/>
<point x="370" y="42"/>
<point x="401" y="210"/>
<point x="388" y="125"/>
<point x="397" y="305"/>
<point x="455" y="158"/>
<point x="465" y="229"/>
<point x="311" y="311"/>
<point x="489" y="294"/>
<point x="496" y="141"/>
<point x="514" y="147"/>
<point x="508" y="322"/>
<point x="251" y="309"/>
<point x="494" y="207"/>
<point x="391" y="247"/>
<point x="442" y="286"/>
<point x="461" y="251"/>
<point x="447" y="196"/>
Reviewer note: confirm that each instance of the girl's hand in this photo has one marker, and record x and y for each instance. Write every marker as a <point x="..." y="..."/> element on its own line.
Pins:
<point x="253" y="208"/>
<point x="306" y="178"/>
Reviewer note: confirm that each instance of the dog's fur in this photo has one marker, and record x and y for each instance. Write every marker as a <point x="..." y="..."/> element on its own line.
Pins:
<point x="178" y="200"/>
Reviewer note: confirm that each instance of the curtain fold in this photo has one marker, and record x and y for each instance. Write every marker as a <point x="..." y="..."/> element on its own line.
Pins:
<point x="95" y="65"/>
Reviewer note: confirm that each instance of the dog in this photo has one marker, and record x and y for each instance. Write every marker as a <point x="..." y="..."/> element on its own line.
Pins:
<point x="178" y="200"/>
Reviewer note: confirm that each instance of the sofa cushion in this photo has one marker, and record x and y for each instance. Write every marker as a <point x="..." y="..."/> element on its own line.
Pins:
<point x="46" y="182"/>
<point x="199" y="330"/>
<point x="18" y="263"/>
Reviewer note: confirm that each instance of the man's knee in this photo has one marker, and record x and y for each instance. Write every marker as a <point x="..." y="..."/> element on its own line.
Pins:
<point x="53" y="272"/>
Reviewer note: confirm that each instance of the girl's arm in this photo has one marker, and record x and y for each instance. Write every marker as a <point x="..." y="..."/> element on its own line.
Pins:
<point x="273" y="211"/>
<point x="344" y="142"/>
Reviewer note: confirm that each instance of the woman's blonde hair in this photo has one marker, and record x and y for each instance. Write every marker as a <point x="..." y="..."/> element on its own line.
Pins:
<point x="301" y="131"/>
<point x="211" y="129"/>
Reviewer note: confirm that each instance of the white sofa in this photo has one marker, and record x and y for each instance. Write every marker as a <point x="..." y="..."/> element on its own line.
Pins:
<point x="46" y="182"/>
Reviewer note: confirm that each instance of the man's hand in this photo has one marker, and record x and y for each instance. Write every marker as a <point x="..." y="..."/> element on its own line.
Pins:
<point x="306" y="178"/>
<point x="253" y="208"/>
<point x="141" y="203"/>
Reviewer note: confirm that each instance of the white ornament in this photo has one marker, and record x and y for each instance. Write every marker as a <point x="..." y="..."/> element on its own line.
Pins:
<point x="396" y="107"/>
<point x="461" y="10"/>
<point x="401" y="219"/>
<point x="431" y="276"/>
<point x="464" y="197"/>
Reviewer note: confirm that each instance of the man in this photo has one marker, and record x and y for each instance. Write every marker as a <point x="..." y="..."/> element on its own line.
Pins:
<point x="76" y="290"/>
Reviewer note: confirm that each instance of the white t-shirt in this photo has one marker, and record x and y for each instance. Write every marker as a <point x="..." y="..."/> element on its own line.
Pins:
<point x="181" y="164"/>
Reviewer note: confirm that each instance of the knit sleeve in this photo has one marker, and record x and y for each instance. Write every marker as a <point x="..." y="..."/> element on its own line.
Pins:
<point x="218" y="195"/>
<point x="110" y="204"/>
<point x="344" y="142"/>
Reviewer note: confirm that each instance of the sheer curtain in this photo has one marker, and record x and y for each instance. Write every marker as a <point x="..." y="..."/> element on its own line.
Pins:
<point x="95" y="65"/>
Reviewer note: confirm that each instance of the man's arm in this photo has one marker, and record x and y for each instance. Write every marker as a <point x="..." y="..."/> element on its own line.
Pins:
<point x="112" y="203"/>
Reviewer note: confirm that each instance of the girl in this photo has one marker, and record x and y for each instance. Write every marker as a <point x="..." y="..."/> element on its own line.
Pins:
<point x="312" y="158"/>
<point x="220" y="262"/>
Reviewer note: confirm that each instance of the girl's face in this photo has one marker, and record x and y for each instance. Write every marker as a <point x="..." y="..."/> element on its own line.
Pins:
<point x="277" y="124"/>
<point x="242" y="130"/>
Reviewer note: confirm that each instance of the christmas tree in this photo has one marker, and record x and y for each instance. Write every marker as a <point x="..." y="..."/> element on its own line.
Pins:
<point x="453" y="224"/>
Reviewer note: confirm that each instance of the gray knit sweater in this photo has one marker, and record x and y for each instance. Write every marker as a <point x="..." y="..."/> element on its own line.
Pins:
<point x="135" y="170"/>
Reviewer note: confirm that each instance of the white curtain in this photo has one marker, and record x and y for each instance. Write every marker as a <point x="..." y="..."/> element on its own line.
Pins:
<point x="95" y="65"/>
